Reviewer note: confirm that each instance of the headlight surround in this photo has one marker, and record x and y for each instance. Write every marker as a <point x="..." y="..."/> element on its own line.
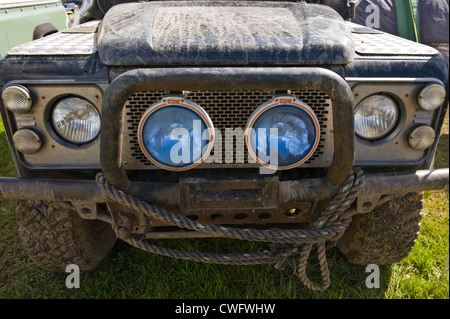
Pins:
<point x="17" y="98"/>
<point x="76" y="120"/>
<point x="375" y="116"/>
<point x="289" y="123"/>
<point x="176" y="134"/>
<point x="431" y="97"/>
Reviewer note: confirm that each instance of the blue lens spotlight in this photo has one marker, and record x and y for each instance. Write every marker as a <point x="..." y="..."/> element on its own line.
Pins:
<point x="282" y="133"/>
<point x="175" y="134"/>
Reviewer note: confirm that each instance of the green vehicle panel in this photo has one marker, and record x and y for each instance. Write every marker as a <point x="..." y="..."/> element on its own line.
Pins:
<point x="18" y="19"/>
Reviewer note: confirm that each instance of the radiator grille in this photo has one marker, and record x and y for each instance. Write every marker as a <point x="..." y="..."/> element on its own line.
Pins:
<point x="227" y="109"/>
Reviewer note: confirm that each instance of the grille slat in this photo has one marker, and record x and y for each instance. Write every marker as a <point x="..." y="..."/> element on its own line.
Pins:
<point x="227" y="109"/>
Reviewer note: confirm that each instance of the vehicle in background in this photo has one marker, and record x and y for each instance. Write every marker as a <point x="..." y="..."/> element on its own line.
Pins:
<point x="22" y="21"/>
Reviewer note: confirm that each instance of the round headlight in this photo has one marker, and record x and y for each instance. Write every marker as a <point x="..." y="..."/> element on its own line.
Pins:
<point x="431" y="97"/>
<point x="17" y="98"/>
<point x="76" y="120"/>
<point x="422" y="137"/>
<point x="282" y="133"/>
<point x="176" y="134"/>
<point x="375" y="116"/>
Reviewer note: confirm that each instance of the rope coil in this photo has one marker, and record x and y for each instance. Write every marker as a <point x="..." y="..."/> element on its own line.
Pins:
<point x="288" y="244"/>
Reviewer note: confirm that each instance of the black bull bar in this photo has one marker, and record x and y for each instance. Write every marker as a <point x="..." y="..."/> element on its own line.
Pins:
<point x="178" y="79"/>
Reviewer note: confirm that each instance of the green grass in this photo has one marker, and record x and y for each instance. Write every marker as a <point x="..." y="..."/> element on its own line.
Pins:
<point x="131" y="273"/>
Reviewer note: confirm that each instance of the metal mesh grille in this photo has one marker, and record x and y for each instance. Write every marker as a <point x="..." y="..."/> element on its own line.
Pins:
<point x="228" y="110"/>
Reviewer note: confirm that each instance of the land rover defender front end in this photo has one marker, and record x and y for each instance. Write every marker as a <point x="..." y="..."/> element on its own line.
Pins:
<point x="272" y="121"/>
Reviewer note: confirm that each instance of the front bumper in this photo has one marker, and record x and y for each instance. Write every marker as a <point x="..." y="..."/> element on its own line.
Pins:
<point x="266" y="192"/>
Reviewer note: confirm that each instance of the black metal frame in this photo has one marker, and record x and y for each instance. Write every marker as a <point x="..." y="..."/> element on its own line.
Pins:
<point x="165" y="79"/>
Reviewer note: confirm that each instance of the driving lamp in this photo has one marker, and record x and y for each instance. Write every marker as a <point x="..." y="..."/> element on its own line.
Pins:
<point x="175" y="134"/>
<point x="282" y="133"/>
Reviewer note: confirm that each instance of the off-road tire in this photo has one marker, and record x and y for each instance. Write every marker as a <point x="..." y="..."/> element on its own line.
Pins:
<point x="54" y="236"/>
<point x="385" y="235"/>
